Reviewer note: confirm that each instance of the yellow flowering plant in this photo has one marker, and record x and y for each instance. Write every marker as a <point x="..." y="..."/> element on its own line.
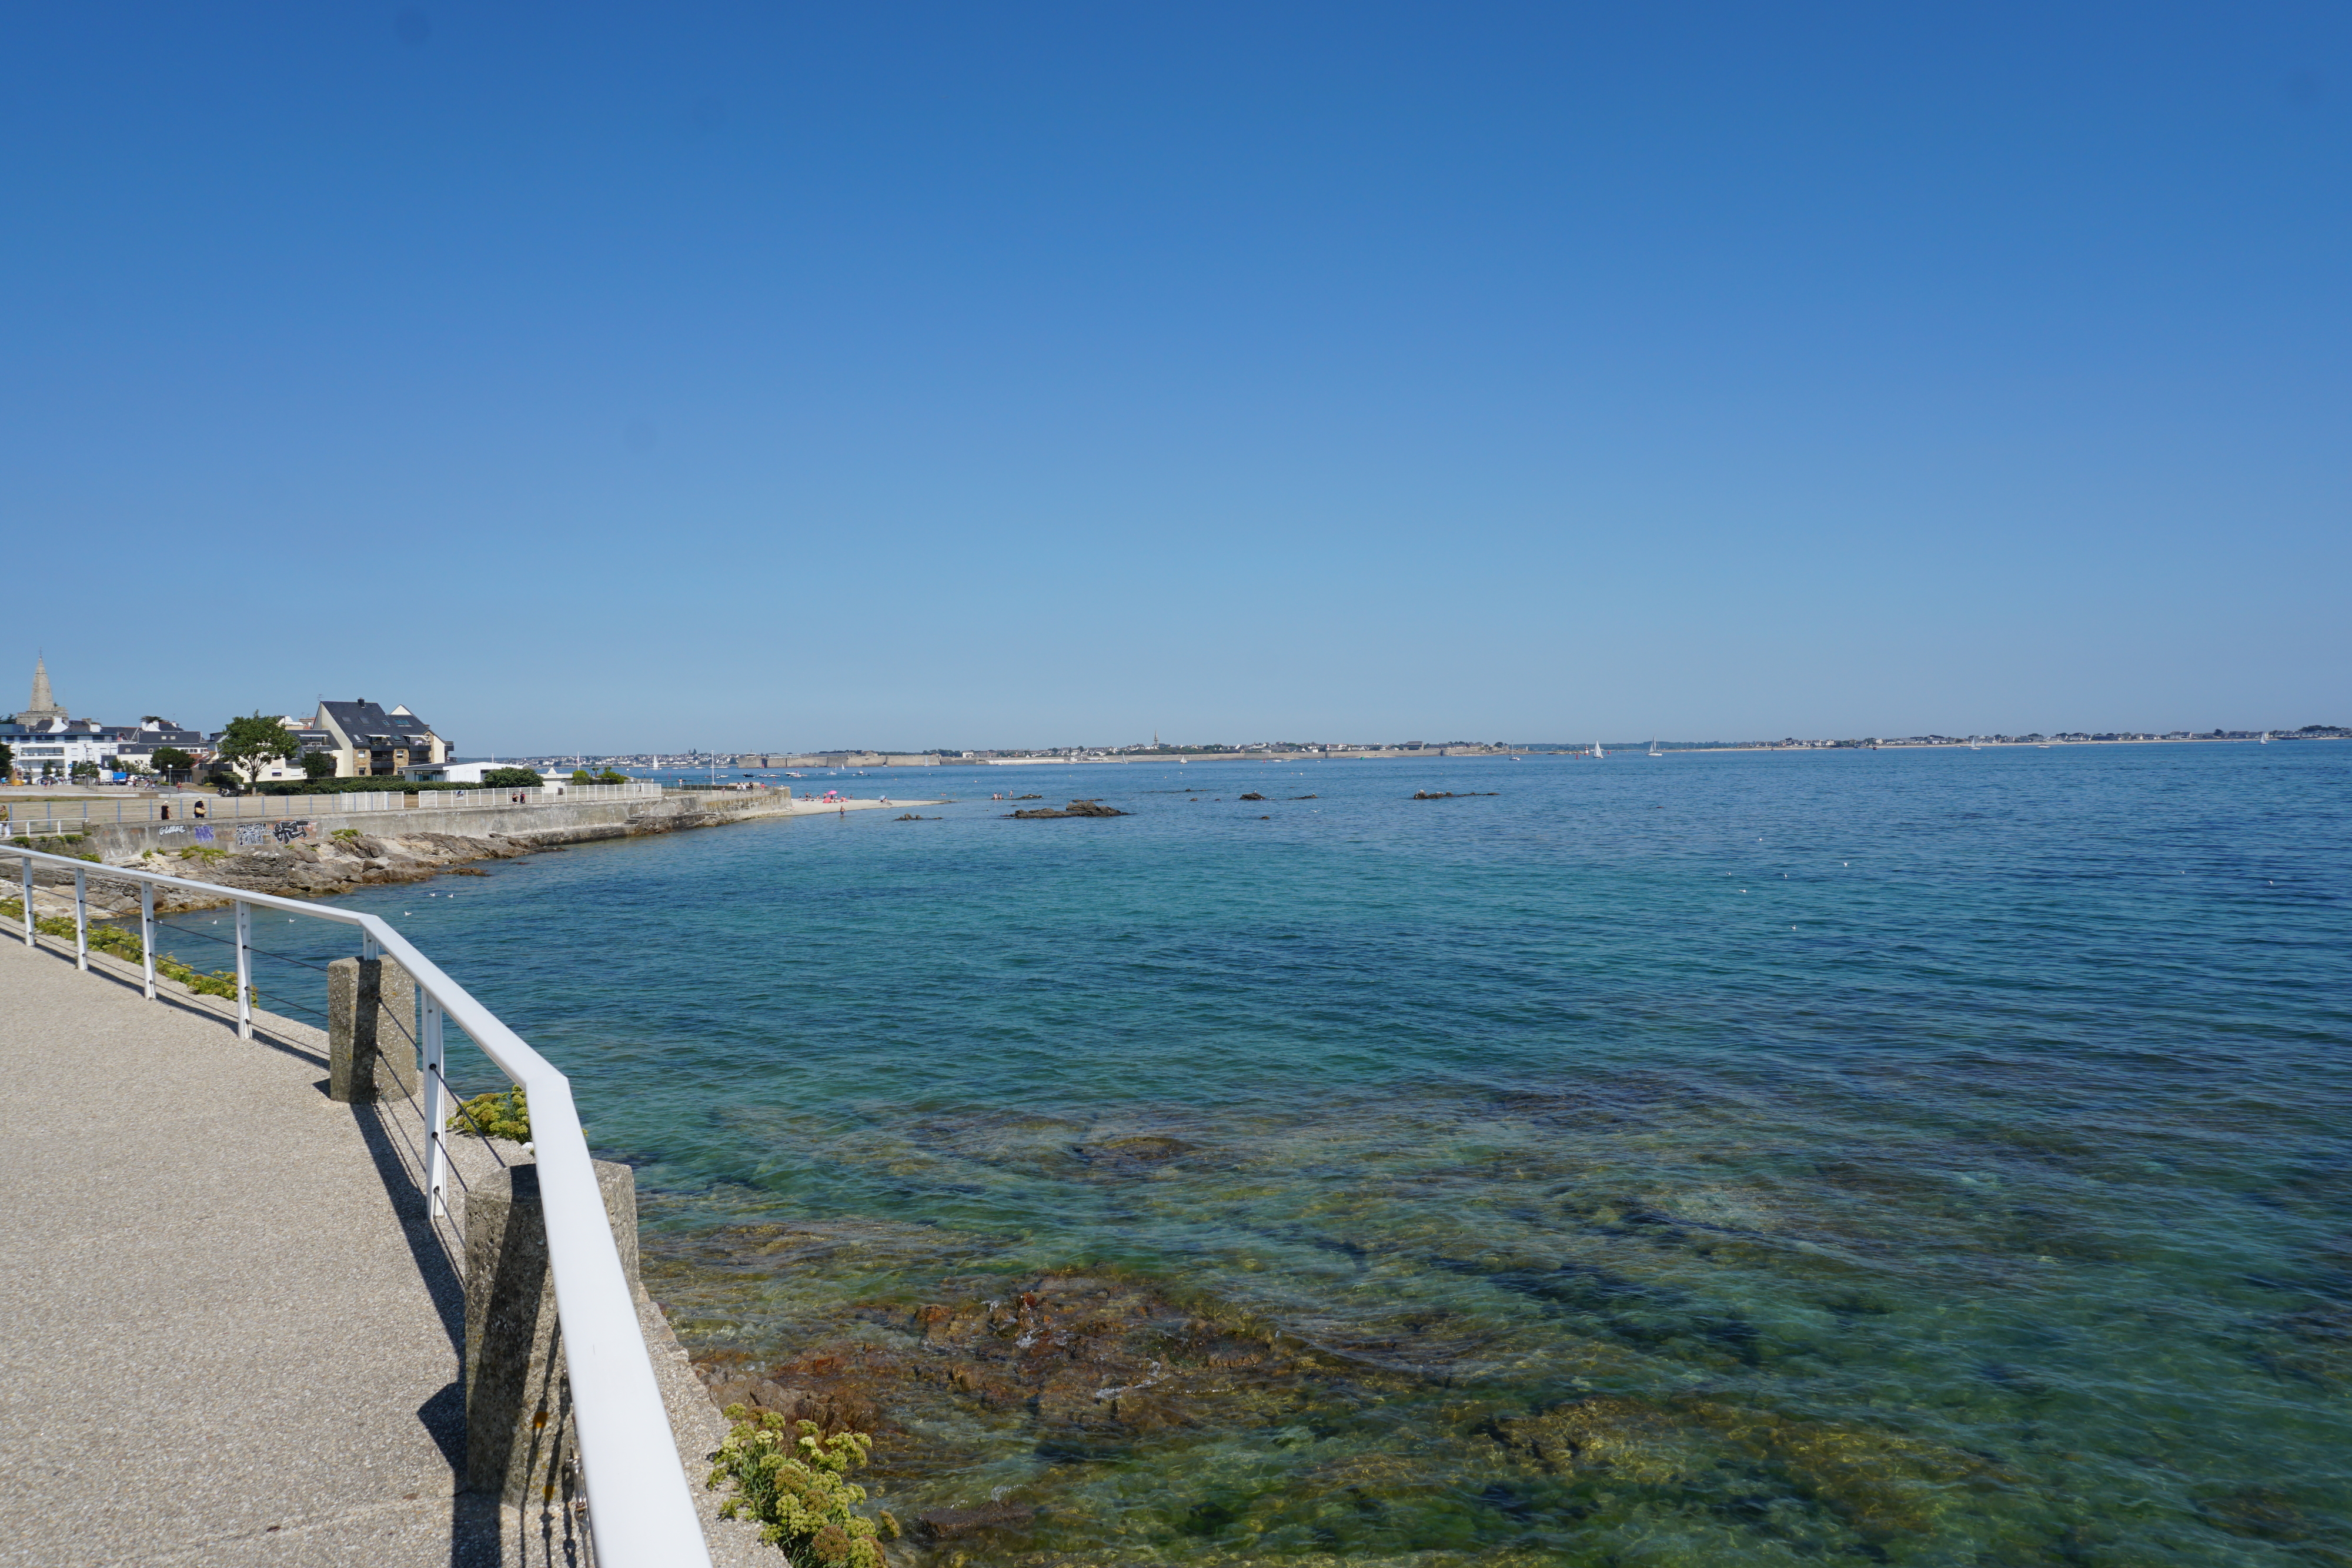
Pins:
<point x="496" y="1115"/>
<point x="796" y="1488"/>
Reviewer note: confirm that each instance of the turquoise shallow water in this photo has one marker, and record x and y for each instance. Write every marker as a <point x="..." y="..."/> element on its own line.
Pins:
<point x="1930" y="1157"/>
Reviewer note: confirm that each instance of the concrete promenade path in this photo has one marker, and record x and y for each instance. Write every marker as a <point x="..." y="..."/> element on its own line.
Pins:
<point x="227" y="1332"/>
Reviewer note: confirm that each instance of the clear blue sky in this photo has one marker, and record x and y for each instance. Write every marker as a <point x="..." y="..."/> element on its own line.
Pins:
<point x="953" y="374"/>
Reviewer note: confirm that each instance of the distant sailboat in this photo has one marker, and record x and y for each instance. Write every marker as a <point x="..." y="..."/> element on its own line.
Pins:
<point x="2266" y="737"/>
<point x="1597" y="751"/>
<point x="1653" y="747"/>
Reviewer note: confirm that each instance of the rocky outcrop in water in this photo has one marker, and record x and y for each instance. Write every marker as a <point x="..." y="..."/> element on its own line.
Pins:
<point x="1075" y="808"/>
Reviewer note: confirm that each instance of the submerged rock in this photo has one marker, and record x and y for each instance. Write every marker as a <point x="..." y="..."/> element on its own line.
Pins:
<point x="1143" y="1150"/>
<point x="1627" y="1437"/>
<point x="952" y="1523"/>
<point x="1090" y="1361"/>
<point x="1883" y="1483"/>
<point x="2258" y="1514"/>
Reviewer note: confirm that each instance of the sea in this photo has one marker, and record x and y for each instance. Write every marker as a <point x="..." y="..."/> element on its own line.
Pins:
<point x="1923" y="1156"/>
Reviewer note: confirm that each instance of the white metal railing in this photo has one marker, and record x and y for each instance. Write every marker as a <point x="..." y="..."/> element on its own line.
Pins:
<point x="640" y="1512"/>
<point x="137" y="807"/>
<point x="449" y="798"/>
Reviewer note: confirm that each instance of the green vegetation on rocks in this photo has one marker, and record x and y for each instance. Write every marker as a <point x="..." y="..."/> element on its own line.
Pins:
<point x="498" y="1114"/>
<point x="795" y="1488"/>
<point x="124" y="946"/>
<point x="219" y="983"/>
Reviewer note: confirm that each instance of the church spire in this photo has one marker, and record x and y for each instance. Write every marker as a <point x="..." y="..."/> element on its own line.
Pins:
<point x="44" y="705"/>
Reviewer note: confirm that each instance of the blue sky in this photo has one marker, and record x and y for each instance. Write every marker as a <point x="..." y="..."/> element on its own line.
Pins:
<point x="961" y="375"/>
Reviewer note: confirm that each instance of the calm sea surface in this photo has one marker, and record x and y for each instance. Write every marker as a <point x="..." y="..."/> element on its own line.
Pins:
<point x="1937" y="1158"/>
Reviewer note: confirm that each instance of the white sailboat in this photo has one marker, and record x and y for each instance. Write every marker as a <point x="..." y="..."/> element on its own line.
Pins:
<point x="2266" y="737"/>
<point x="1653" y="747"/>
<point x="1597" y="751"/>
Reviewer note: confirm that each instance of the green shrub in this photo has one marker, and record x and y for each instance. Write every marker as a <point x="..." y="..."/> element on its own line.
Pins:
<point x="495" y="1115"/>
<point x="126" y="947"/>
<point x="114" y="940"/>
<point x="793" y="1487"/>
<point x="219" y="983"/>
<point x="13" y="911"/>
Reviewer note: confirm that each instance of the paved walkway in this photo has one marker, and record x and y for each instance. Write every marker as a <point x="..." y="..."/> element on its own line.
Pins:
<point x="227" y="1333"/>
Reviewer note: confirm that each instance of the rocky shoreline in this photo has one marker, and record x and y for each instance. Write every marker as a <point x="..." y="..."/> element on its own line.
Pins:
<point x="335" y="852"/>
<point x="335" y="863"/>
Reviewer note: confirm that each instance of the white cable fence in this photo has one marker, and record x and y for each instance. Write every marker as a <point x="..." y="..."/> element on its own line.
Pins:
<point x="640" y="1512"/>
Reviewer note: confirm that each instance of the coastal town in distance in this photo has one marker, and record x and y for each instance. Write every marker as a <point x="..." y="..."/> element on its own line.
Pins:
<point x="1295" y="751"/>
<point x="47" y="744"/>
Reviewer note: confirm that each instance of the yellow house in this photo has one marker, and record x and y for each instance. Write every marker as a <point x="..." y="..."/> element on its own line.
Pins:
<point x="367" y="742"/>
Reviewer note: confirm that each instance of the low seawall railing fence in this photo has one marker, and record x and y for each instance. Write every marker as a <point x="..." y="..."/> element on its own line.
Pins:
<point x="640" y="1512"/>
<point x="135" y="808"/>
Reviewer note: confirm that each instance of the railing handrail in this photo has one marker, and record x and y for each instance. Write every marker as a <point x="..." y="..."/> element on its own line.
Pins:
<point x="639" y="1509"/>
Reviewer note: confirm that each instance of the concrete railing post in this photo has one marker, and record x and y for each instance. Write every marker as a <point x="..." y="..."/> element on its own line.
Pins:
<point x="519" y="1445"/>
<point x="371" y="1017"/>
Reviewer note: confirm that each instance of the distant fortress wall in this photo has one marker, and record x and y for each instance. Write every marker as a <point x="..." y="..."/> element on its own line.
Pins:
<point x="932" y="760"/>
<point x="836" y="759"/>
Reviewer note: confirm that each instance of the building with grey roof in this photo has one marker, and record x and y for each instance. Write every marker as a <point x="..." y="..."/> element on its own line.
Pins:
<point x="367" y="741"/>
